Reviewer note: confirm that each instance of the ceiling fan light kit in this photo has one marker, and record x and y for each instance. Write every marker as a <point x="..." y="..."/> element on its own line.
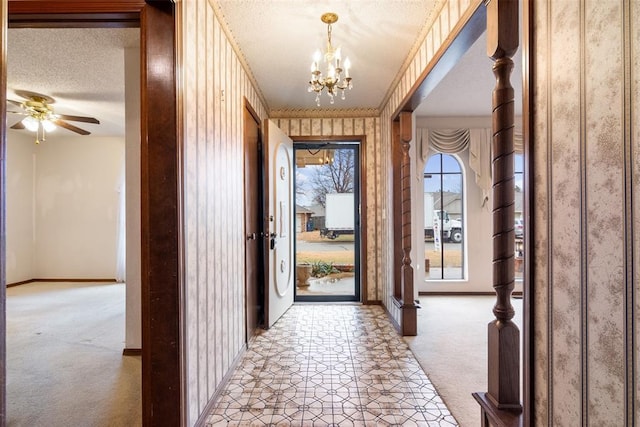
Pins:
<point x="40" y="117"/>
<point x="333" y="82"/>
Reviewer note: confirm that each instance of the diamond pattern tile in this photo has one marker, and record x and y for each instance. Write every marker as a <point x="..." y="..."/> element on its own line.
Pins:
<point x="330" y="365"/>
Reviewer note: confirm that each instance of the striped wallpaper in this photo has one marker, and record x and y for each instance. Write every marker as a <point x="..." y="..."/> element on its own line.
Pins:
<point x="586" y="185"/>
<point x="214" y="84"/>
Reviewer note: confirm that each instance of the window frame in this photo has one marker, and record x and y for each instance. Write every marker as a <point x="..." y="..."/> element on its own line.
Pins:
<point x="463" y="194"/>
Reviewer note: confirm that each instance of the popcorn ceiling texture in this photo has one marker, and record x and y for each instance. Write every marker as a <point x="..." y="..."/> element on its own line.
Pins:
<point x="82" y="68"/>
<point x="384" y="29"/>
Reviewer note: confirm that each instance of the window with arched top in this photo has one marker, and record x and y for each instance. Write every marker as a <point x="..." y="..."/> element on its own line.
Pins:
<point x="444" y="218"/>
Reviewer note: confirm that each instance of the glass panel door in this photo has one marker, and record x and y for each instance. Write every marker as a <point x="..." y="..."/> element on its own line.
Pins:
<point x="327" y="222"/>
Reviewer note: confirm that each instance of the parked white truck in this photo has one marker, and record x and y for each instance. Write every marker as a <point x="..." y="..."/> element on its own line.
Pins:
<point x="339" y="215"/>
<point x="439" y="219"/>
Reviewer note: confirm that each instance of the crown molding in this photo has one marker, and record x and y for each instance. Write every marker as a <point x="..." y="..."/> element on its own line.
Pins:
<point x="311" y="113"/>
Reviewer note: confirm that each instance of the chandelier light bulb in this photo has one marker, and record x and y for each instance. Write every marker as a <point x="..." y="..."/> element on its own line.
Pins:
<point x="347" y="65"/>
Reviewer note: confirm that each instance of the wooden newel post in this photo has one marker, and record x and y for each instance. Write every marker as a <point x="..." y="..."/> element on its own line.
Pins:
<point x="408" y="307"/>
<point x="504" y="336"/>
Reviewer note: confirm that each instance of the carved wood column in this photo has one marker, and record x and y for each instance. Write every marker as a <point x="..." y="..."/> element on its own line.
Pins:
<point x="504" y="336"/>
<point x="407" y="299"/>
<point x="396" y="153"/>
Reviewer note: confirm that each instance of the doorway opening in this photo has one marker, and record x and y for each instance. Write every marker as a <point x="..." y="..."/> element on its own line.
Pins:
<point x="327" y="211"/>
<point x="254" y="214"/>
<point x="68" y="255"/>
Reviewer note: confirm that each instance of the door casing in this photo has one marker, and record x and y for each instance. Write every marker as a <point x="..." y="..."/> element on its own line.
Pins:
<point x="346" y="143"/>
<point x="361" y="140"/>
<point x="253" y="196"/>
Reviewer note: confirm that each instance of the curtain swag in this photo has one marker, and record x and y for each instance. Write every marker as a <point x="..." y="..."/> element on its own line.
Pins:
<point x="477" y="141"/>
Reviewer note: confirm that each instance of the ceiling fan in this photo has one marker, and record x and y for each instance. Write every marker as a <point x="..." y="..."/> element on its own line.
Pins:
<point x="40" y="117"/>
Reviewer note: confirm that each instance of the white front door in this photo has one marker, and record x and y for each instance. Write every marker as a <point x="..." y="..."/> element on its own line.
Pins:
<point x="280" y="217"/>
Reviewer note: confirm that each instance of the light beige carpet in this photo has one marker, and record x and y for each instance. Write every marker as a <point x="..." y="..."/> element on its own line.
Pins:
<point x="64" y="357"/>
<point x="451" y="347"/>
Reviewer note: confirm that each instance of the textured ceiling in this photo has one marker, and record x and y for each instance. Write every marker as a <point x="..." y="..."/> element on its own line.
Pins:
<point x="83" y="69"/>
<point x="467" y="89"/>
<point x="278" y="38"/>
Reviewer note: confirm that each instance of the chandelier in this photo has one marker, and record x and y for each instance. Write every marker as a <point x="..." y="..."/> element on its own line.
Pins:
<point x="333" y="82"/>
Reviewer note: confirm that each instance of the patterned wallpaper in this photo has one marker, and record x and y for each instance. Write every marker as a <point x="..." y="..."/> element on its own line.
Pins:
<point x="214" y="84"/>
<point x="586" y="184"/>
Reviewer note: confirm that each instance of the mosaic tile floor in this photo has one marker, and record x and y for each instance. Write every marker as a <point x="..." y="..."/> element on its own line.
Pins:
<point x="330" y="365"/>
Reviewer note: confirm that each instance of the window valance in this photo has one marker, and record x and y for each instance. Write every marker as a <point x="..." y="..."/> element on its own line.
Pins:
<point x="477" y="141"/>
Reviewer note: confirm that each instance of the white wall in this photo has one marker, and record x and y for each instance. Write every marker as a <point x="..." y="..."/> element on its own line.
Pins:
<point x="20" y="208"/>
<point x="77" y="206"/>
<point x="71" y="186"/>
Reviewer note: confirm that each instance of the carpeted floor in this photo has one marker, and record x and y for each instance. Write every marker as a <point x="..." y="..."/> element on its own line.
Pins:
<point x="451" y="347"/>
<point x="64" y="357"/>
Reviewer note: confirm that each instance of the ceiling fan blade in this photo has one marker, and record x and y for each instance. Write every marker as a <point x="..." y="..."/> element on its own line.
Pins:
<point x="19" y="104"/>
<point x="78" y="118"/>
<point x="70" y="127"/>
<point x="18" y="125"/>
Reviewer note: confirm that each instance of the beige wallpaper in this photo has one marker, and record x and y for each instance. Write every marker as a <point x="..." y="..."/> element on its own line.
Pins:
<point x="214" y="85"/>
<point x="448" y="17"/>
<point x="370" y="128"/>
<point x="585" y="173"/>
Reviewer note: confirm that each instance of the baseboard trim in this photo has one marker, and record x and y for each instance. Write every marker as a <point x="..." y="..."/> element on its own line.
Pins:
<point x="467" y="294"/>
<point x="202" y="419"/>
<point x="24" y="282"/>
<point x="132" y="352"/>
<point x="372" y="302"/>
<point x="77" y="280"/>
<point x="395" y="324"/>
